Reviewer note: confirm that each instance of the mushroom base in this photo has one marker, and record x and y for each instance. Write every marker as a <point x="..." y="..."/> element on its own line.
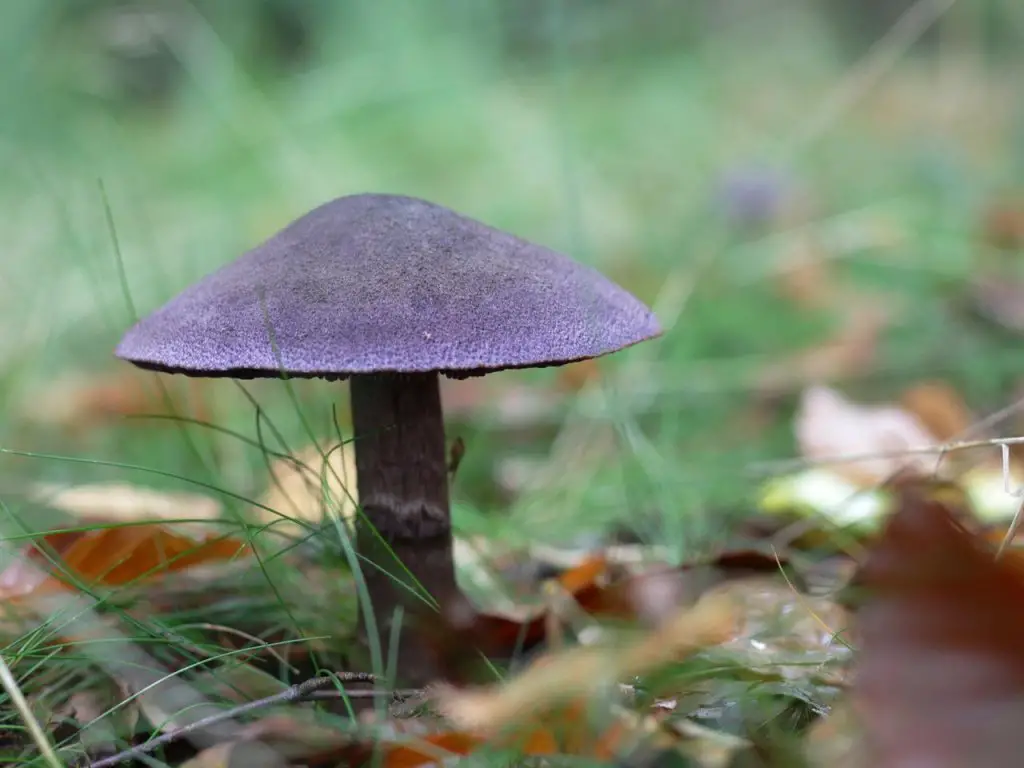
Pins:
<point x="388" y="582"/>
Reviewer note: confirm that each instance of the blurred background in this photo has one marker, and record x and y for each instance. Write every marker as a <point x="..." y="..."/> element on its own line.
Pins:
<point x="806" y="192"/>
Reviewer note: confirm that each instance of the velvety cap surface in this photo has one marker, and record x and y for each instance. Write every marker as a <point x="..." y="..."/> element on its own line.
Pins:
<point x="373" y="283"/>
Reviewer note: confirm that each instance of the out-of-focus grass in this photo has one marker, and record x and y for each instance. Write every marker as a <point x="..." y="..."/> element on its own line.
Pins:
<point x="602" y="129"/>
<point x="590" y="141"/>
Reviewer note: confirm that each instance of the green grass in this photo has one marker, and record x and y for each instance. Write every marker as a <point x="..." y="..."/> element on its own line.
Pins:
<point x="584" y="138"/>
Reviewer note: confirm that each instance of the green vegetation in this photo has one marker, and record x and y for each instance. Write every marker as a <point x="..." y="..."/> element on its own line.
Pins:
<point x="157" y="141"/>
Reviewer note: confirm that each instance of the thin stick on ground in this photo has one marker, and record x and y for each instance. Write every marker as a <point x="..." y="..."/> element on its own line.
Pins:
<point x="782" y="466"/>
<point x="398" y="695"/>
<point x="296" y="693"/>
<point x="21" y="704"/>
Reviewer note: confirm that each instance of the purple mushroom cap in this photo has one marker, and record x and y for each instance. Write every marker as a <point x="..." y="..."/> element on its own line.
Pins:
<point x="384" y="283"/>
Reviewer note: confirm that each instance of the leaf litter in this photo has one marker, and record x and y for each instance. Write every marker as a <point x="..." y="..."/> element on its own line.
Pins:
<point x="620" y="654"/>
<point x="940" y="634"/>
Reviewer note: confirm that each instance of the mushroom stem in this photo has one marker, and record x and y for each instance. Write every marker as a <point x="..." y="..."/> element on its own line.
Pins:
<point x="402" y="480"/>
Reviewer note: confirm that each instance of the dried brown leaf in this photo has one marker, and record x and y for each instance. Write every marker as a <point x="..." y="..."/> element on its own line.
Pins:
<point x="836" y="741"/>
<point x="828" y="425"/>
<point x="299" y="739"/>
<point x="794" y="635"/>
<point x="940" y="677"/>
<point x="104" y="718"/>
<point x="236" y="755"/>
<point x="237" y="683"/>
<point x="122" y="503"/>
<point x="633" y="590"/>
<point x="115" y="556"/>
<point x="939" y="408"/>
<point x="709" y="748"/>
<point x="558" y="679"/>
<point x="306" y="487"/>
<point x="567" y="733"/>
<point x="461" y="625"/>
<point x="215" y="757"/>
<point x="298" y="736"/>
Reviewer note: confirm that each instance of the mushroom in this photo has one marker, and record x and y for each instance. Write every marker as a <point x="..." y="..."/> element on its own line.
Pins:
<point x="389" y="292"/>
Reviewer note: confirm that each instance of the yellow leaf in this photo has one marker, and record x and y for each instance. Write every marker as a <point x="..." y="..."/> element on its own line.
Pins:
<point x="121" y="502"/>
<point x="107" y="557"/>
<point x="305" y="488"/>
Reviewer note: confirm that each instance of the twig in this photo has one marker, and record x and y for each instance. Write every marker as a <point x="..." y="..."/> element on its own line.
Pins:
<point x="399" y="695"/>
<point x="296" y="693"/>
<point x="18" y="699"/>
<point x="792" y="465"/>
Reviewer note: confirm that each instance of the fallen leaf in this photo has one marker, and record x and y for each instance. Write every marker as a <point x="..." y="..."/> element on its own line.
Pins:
<point x="432" y="749"/>
<point x="121" y="502"/>
<point x="559" y="679"/>
<point x="826" y="493"/>
<point x="219" y="756"/>
<point x="632" y="590"/>
<point x="836" y="741"/>
<point x="820" y="500"/>
<point x="943" y="412"/>
<point x="627" y="555"/>
<point x="320" y="744"/>
<point x="297" y="736"/>
<point x="461" y="626"/>
<point x="940" y="675"/>
<point x="939" y="408"/>
<point x="708" y="747"/>
<point x="237" y="753"/>
<point x="23" y="575"/>
<point x="648" y="594"/>
<point x="986" y="489"/>
<point x="237" y="683"/>
<point x="305" y="486"/>
<point x="793" y="635"/>
<point x="582" y="583"/>
<point x="80" y="401"/>
<point x="827" y="425"/>
<point x="294" y="738"/>
<point x="114" y="556"/>
<point x="104" y="719"/>
<point x="122" y="555"/>
<point x="569" y="732"/>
